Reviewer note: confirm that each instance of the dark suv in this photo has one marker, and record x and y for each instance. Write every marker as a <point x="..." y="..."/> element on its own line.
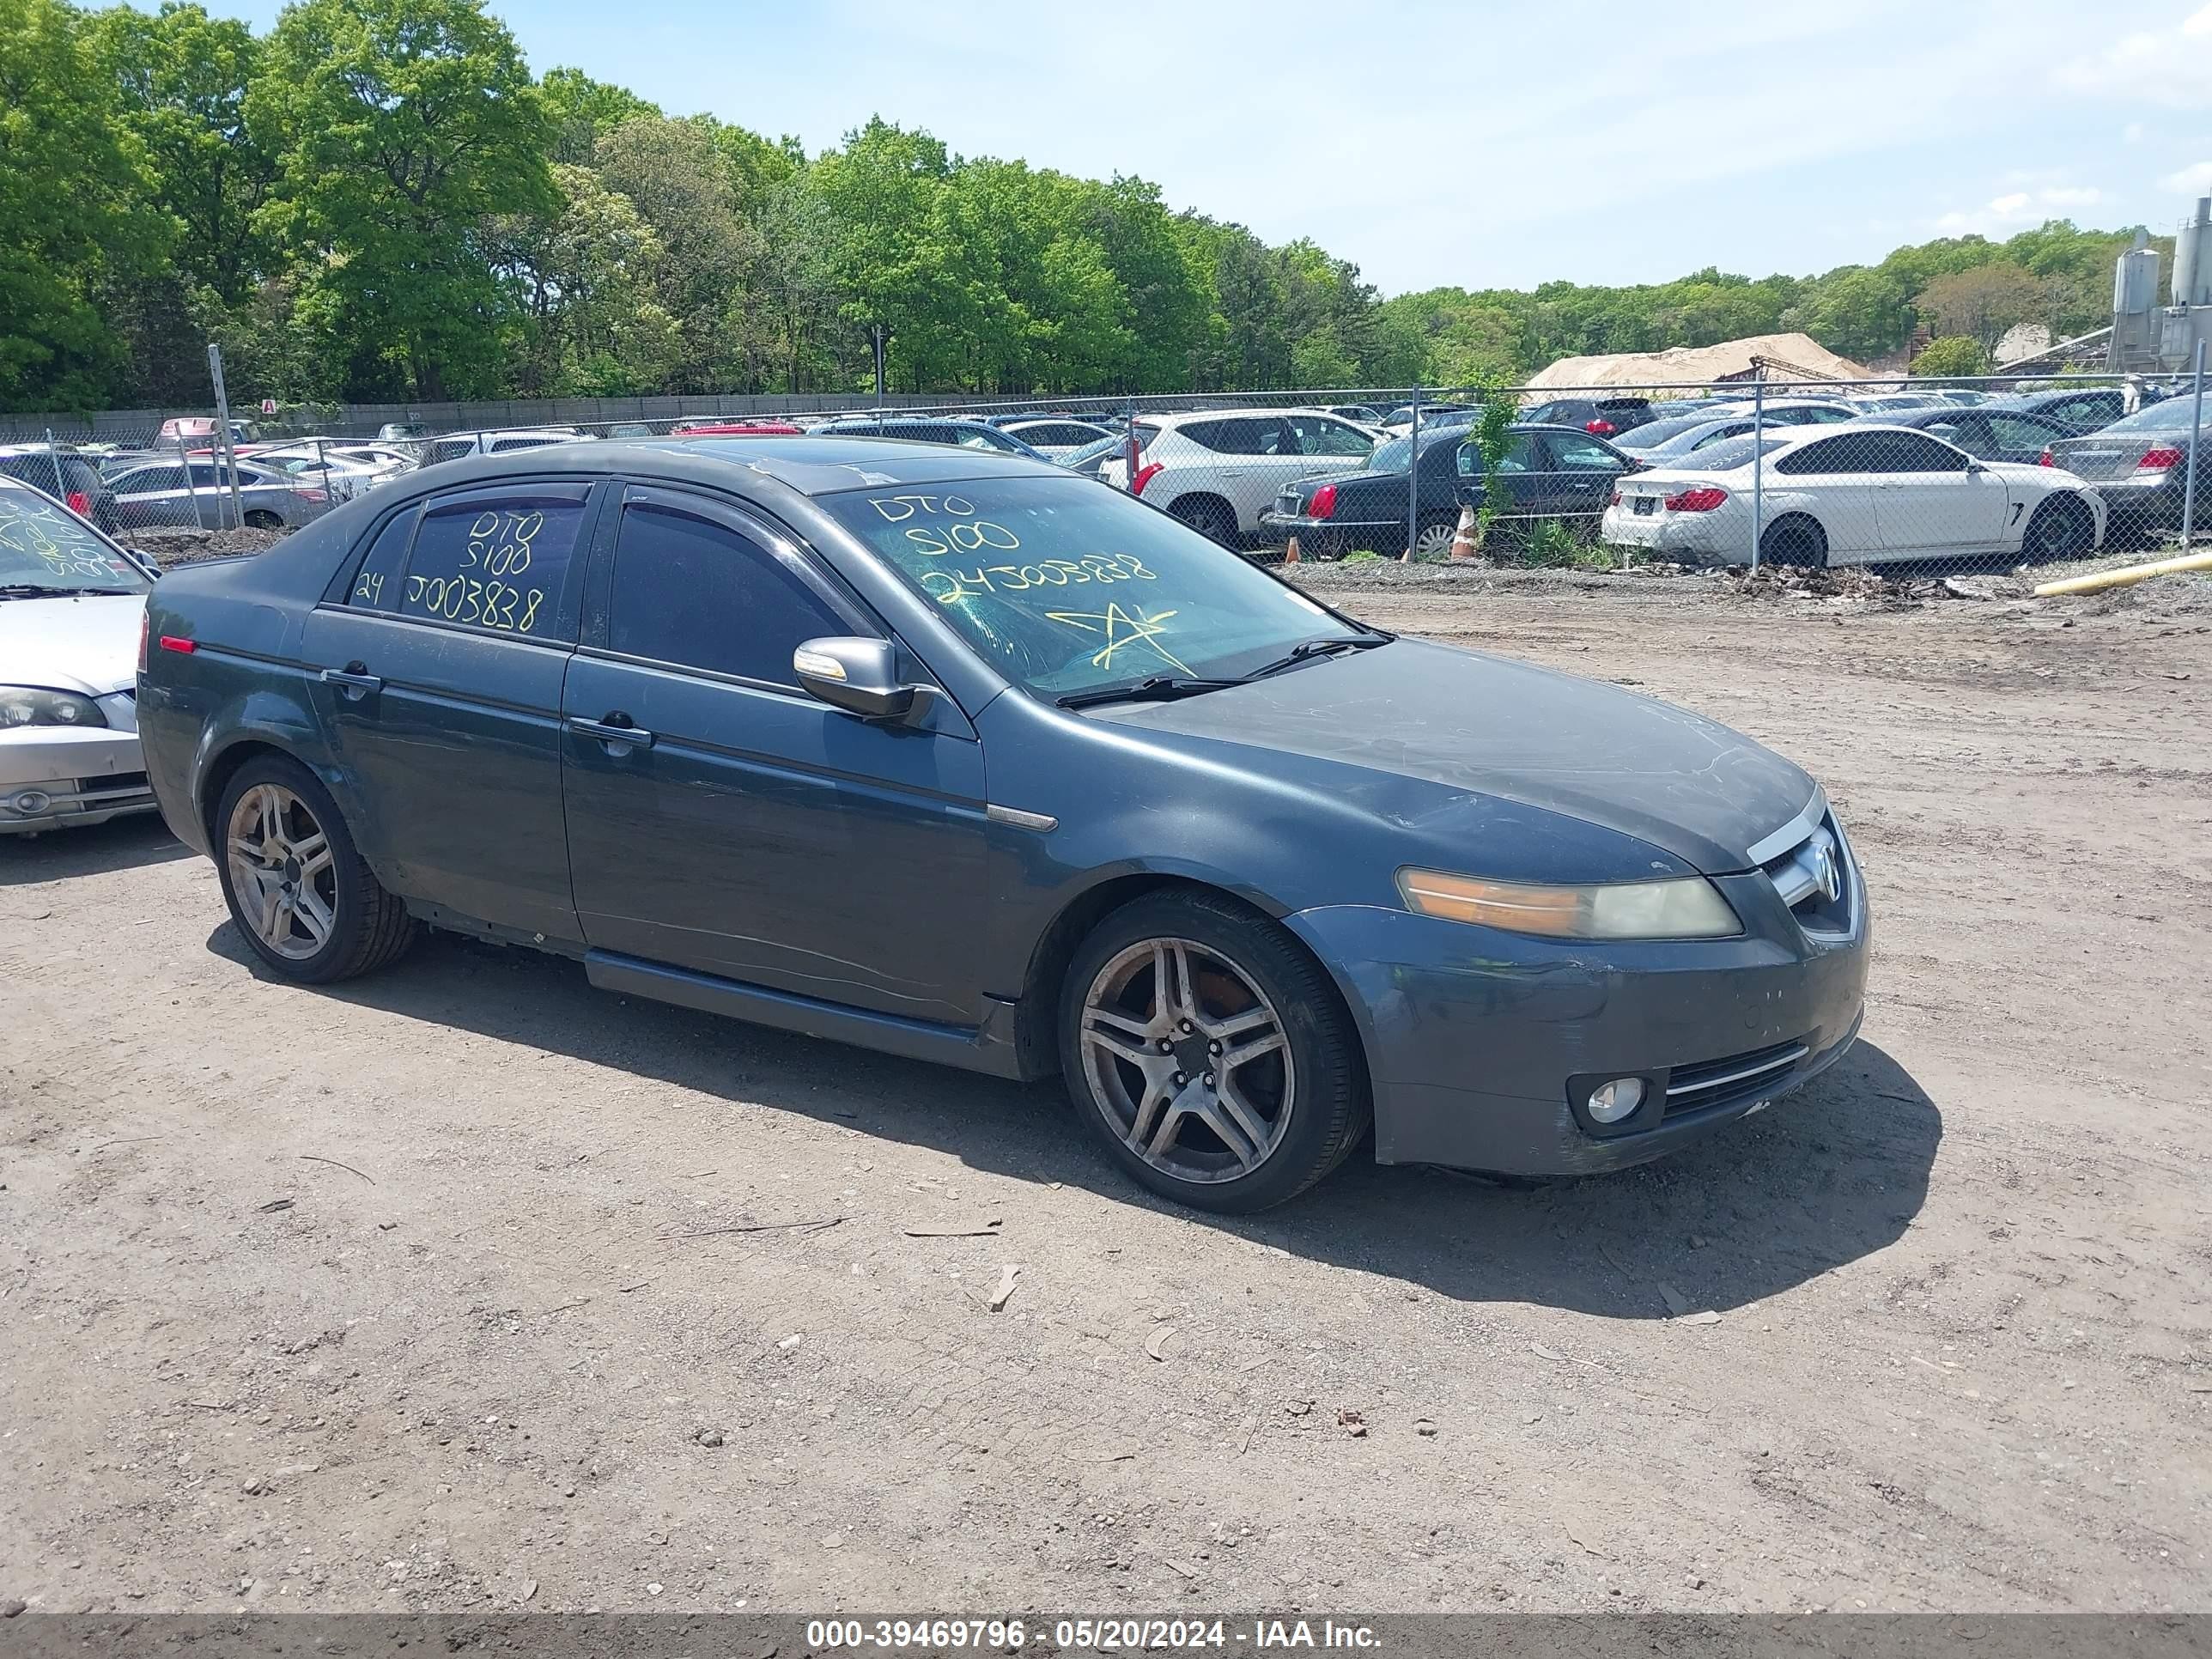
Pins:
<point x="66" y="476"/>
<point x="1601" y="417"/>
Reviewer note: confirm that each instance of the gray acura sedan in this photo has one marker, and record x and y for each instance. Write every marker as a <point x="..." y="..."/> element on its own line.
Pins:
<point x="947" y="753"/>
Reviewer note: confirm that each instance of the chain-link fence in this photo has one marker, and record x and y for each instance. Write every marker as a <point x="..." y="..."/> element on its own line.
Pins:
<point x="1913" y="477"/>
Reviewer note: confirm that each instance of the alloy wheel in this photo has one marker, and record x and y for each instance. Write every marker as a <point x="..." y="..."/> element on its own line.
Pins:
<point x="1434" y="541"/>
<point x="282" y="871"/>
<point x="1188" y="1060"/>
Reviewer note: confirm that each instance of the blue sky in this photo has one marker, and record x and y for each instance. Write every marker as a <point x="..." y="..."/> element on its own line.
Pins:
<point x="1614" y="143"/>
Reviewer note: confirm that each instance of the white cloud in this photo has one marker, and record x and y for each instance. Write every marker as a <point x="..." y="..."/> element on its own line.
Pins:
<point x="2171" y="66"/>
<point x="2191" y="181"/>
<point x="2132" y="133"/>
<point x="2019" y="210"/>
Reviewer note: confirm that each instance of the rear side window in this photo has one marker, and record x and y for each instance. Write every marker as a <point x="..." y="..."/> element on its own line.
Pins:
<point x="376" y="585"/>
<point x="699" y="594"/>
<point x="499" y="562"/>
<point x="1207" y="435"/>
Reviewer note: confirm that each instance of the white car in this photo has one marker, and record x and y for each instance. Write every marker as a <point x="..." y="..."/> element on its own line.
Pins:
<point x="1219" y="469"/>
<point x="1054" y="437"/>
<point x="452" y="445"/>
<point x="344" y="469"/>
<point x="72" y="604"/>
<point x="1860" y="496"/>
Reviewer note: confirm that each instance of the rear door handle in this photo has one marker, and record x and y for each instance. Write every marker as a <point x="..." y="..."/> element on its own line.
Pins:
<point x="615" y="729"/>
<point x="353" y="681"/>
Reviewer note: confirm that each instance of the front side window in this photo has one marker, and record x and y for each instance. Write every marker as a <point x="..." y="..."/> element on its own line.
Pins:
<point x="698" y="593"/>
<point x="1320" y="435"/>
<point x="148" y="479"/>
<point x="1064" y="588"/>
<point x="44" y="546"/>
<point x="496" y="561"/>
<point x="1580" y="455"/>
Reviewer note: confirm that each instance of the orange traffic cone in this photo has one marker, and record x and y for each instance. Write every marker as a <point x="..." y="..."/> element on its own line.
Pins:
<point x="1463" y="547"/>
<point x="1290" y="553"/>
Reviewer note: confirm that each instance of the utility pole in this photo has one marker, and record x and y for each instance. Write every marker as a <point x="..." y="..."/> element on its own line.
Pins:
<point x="226" y="455"/>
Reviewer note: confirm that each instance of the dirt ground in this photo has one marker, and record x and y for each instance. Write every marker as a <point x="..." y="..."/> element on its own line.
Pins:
<point x="411" y="1294"/>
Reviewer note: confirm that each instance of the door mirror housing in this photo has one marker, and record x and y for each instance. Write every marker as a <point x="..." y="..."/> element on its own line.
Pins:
<point x="1973" y="467"/>
<point x="857" y="675"/>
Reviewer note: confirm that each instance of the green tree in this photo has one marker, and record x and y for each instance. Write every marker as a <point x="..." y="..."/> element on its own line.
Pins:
<point x="675" y="173"/>
<point x="1952" y="355"/>
<point x="1981" y="303"/>
<point x="77" y="216"/>
<point x="583" y="111"/>
<point x="1859" y="313"/>
<point x="399" y="127"/>
<point x="586" y="278"/>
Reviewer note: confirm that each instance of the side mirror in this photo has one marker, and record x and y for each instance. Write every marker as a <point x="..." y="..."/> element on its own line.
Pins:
<point x="1974" y="467"/>
<point x="860" y="675"/>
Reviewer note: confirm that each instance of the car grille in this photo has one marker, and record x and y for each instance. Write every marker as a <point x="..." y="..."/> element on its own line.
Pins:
<point x="1813" y="878"/>
<point x="1730" y="1082"/>
<point x="115" y="783"/>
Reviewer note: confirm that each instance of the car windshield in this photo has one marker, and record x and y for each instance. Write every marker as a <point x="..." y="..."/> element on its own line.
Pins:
<point x="1066" y="586"/>
<point x="2174" y="415"/>
<point x="1093" y="450"/>
<point x="1652" y="434"/>
<point x="42" y="545"/>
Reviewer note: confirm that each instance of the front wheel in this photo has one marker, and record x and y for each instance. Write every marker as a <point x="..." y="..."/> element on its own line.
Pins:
<point x="1211" y="1053"/>
<point x="1795" y="541"/>
<point x="298" y="890"/>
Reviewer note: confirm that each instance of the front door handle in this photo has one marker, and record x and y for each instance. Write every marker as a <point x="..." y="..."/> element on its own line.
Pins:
<point x="353" y="681"/>
<point x="615" y="731"/>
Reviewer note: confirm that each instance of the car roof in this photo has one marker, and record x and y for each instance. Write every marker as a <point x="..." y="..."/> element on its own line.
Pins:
<point x="822" y="466"/>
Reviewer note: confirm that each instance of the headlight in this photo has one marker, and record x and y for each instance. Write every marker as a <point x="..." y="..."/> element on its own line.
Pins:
<point x="31" y="705"/>
<point x="1688" y="908"/>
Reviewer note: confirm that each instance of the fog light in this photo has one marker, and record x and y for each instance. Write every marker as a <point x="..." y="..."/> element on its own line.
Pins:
<point x="32" y="802"/>
<point x="1609" y="1103"/>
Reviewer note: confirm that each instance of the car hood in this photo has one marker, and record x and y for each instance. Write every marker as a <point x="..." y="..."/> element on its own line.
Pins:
<point x="1465" y="723"/>
<point x="88" y="644"/>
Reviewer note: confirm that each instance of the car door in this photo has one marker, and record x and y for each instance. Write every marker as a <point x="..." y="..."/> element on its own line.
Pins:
<point x="1833" y="480"/>
<point x="150" y="495"/>
<point x="1574" y="477"/>
<point x="1934" y="497"/>
<point x="441" y="660"/>
<point x="749" y="831"/>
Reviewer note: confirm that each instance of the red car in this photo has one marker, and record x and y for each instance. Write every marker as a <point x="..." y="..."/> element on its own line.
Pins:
<point x="715" y="425"/>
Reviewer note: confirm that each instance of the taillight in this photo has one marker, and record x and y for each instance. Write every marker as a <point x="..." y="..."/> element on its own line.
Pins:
<point x="1616" y="499"/>
<point x="308" y="493"/>
<point x="1703" y="499"/>
<point x="1599" y="428"/>
<point x="145" y="621"/>
<point x="2044" y="459"/>
<point x="176" y="643"/>
<point x="2157" y="461"/>
<point x="1144" y="476"/>
<point x="80" y="503"/>
<point x="1323" y="505"/>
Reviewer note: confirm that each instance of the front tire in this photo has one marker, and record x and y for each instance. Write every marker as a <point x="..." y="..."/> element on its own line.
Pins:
<point x="300" y="892"/>
<point x="1210" y="516"/>
<point x="1210" y="1052"/>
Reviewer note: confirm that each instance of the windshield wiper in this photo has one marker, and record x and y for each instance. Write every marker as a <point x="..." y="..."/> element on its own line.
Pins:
<point x="1307" y="650"/>
<point x="48" y="591"/>
<point x="1161" y="688"/>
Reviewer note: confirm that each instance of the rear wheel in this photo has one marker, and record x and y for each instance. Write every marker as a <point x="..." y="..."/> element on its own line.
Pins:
<point x="262" y="518"/>
<point x="2063" y="528"/>
<point x="1433" y="540"/>
<point x="1209" y="515"/>
<point x="1797" y="541"/>
<point x="1212" y="1054"/>
<point x="298" y="890"/>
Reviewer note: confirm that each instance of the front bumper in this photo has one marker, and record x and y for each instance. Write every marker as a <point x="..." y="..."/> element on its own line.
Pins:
<point x="59" y="778"/>
<point x="1481" y="1043"/>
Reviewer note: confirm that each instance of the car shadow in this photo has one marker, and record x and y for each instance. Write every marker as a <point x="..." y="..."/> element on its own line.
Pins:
<point x="118" y="844"/>
<point x="1829" y="1174"/>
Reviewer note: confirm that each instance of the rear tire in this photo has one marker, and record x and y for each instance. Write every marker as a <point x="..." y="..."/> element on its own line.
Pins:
<point x="1432" y="542"/>
<point x="1210" y="516"/>
<point x="2061" y="529"/>
<point x="1193" y="1121"/>
<point x="261" y="519"/>
<point x="1795" y="541"/>
<point x="300" y="892"/>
